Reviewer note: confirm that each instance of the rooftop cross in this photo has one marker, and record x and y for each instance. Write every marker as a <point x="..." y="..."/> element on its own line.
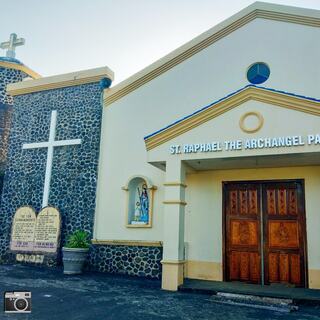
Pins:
<point x="12" y="44"/>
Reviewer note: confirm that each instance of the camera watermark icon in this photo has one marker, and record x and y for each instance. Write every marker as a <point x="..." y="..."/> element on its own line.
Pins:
<point x="17" y="302"/>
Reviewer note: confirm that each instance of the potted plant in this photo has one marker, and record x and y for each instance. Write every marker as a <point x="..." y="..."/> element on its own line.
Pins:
<point x="74" y="253"/>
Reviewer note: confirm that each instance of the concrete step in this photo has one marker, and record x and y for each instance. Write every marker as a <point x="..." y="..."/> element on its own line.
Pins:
<point x="298" y="295"/>
<point x="274" y="304"/>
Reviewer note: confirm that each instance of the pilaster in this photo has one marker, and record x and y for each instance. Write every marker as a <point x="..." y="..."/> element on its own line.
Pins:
<point x="174" y="212"/>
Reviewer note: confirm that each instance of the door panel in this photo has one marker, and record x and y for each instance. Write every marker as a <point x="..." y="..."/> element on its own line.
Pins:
<point x="243" y="233"/>
<point x="284" y="233"/>
<point x="284" y="268"/>
<point x="279" y="207"/>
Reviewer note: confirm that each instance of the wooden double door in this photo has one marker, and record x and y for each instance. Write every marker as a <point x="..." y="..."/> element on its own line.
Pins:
<point x="265" y="232"/>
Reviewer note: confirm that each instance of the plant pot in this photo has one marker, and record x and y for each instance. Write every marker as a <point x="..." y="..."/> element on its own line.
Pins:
<point x="73" y="259"/>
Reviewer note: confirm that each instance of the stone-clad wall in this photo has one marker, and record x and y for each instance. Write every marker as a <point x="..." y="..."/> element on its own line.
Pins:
<point x="5" y="120"/>
<point x="130" y="260"/>
<point x="7" y="75"/>
<point x="74" y="171"/>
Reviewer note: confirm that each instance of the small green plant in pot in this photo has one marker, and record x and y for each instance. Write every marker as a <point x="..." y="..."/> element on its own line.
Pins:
<point x="74" y="253"/>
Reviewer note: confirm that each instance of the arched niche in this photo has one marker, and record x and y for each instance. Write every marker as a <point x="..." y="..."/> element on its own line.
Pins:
<point x="139" y="202"/>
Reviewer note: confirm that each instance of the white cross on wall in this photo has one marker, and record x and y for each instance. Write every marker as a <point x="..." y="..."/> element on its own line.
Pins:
<point x="50" y="145"/>
<point x="12" y="44"/>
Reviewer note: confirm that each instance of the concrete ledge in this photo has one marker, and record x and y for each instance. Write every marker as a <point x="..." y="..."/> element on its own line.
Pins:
<point x="60" y="81"/>
<point x="132" y="243"/>
<point x="175" y="262"/>
<point x="175" y="184"/>
<point x="183" y="203"/>
<point x="299" y="295"/>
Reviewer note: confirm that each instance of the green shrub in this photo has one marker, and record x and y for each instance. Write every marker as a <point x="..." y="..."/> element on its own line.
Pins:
<point x="79" y="239"/>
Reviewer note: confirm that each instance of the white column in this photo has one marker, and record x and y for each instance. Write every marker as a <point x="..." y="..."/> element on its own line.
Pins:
<point x="174" y="211"/>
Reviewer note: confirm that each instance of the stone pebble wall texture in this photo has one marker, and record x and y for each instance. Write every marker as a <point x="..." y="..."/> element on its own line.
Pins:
<point x="74" y="170"/>
<point x="7" y="76"/>
<point x="6" y="101"/>
<point x="74" y="175"/>
<point x="129" y="260"/>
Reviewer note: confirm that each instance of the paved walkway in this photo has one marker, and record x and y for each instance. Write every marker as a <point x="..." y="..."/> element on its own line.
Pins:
<point x="102" y="296"/>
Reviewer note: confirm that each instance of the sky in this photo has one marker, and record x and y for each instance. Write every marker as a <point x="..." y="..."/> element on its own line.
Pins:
<point x="126" y="35"/>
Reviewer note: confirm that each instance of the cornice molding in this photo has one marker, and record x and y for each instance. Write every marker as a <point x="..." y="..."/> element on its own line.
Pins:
<point x="20" y="67"/>
<point x="257" y="10"/>
<point x="179" y="202"/>
<point x="132" y="243"/>
<point x="60" y="81"/>
<point x="276" y="98"/>
<point x="174" y="262"/>
<point x="175" y="184"/>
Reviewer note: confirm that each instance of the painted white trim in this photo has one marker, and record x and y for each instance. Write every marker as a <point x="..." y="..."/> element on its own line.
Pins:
<point x="50" y="145"/>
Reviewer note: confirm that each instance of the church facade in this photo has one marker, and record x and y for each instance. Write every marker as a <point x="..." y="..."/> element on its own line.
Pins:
<point x="203" y="165"/>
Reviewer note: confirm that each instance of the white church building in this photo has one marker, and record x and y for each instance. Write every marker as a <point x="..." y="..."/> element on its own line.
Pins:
<point x="212" y="153"/>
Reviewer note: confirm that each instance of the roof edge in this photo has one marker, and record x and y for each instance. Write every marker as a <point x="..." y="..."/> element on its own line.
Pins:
<point x="20" y="67"/>
<point x="60" y="81"/>
<point x="262" y="10"/>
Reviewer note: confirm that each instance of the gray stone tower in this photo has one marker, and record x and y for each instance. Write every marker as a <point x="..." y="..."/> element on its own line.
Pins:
<point x="11" y="70"/>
